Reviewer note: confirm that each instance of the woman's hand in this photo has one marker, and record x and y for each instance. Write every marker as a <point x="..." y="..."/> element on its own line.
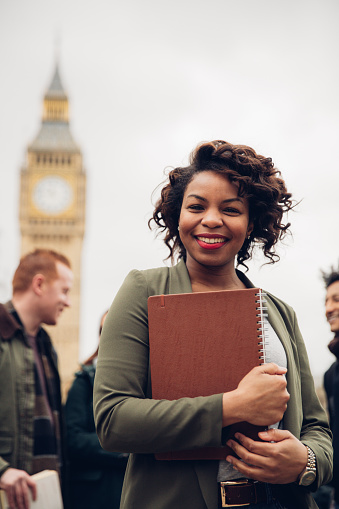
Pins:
<point x="280" y="459"/>
<point x="260" y="398"/>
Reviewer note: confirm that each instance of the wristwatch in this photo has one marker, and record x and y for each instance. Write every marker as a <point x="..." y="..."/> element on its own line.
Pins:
<point x="309" y="474"/>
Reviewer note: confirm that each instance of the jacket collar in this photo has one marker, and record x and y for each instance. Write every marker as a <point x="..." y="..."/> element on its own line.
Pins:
<point x="10" y="324"/>
<point x="9" y="321"/>
<point x="179" y="280"/>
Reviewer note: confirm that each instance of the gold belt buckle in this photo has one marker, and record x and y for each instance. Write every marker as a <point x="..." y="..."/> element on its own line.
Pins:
<point x="223" y="492"/>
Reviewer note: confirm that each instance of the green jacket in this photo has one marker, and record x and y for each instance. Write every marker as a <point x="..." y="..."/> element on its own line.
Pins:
<point x="128" y="421"/>
<point x="17" y="390"/>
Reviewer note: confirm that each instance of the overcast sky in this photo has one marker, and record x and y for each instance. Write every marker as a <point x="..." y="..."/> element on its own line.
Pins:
<point x="147" y="81"/>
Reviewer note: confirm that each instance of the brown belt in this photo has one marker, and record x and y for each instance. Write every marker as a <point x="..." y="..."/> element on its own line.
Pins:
<point x="241" y="493"/>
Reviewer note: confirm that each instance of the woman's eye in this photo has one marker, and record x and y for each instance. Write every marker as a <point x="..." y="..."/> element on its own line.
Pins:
<point x="195" y="207"/>
<point x="232" y="211"/>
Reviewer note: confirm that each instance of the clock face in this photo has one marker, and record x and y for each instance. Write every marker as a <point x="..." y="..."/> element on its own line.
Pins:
<point x="52" y="195"/>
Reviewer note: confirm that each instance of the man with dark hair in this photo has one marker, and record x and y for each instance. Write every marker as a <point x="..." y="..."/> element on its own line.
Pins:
<point x="30" y="396"/>
<point x="331" y="377"/>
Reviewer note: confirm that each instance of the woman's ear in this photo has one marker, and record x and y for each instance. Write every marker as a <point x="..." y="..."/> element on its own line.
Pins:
<point x="249" y="228"/>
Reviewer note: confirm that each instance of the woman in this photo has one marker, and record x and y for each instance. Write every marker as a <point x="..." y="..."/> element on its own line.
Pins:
<point x="96" y="476"/>
<point x="213" y="212"/>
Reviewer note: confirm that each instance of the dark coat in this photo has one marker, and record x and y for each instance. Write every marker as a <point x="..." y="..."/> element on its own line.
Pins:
<point x="96" y="476"/>
<point x="331" y="384"/>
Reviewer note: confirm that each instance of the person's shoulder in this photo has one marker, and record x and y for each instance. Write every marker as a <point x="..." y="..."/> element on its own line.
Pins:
<point x="87" y="371"/>
<point x="85" y="374"/>
<point x="329" y="377"/>
<point x="152" y="273"/>
<point x="155" y="279"/>
<point x="8" y="324"/>
<point x="146" y="282"/>
<point x="5" y="311"/>
<point x="330" y="371"/>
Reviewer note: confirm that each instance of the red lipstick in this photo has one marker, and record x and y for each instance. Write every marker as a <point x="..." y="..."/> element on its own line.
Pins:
<point x="208" y="241"/>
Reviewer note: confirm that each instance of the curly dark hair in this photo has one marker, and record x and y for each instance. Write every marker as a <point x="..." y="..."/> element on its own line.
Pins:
<point x="330" y="277"/>
<point x="258" y="180"/>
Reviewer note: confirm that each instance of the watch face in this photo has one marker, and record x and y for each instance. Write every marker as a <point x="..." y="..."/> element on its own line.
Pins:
<point x="307" y="478"/>
<point x="52" y="195"/>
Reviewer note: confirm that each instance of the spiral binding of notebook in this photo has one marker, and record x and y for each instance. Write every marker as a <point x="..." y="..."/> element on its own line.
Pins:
<point x="262" y="327"/>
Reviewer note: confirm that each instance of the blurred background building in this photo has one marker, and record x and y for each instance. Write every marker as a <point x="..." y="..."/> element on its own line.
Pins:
<point x="52" y="209"/>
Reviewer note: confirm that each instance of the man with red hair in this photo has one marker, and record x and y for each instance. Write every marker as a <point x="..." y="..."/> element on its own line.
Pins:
<point x="30" y="396"/>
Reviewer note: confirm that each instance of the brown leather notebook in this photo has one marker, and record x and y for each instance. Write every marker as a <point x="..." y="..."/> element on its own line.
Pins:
<point x="203" y="344"/>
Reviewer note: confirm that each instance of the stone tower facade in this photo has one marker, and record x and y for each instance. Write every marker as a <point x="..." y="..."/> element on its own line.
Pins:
<point x="52" y="210"/>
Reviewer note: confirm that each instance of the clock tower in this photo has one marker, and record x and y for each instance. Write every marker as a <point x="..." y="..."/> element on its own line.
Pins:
<point x="52" y="210"/>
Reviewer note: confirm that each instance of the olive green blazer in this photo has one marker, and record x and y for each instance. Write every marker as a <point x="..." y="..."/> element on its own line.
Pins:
<point x="128" y="420"/>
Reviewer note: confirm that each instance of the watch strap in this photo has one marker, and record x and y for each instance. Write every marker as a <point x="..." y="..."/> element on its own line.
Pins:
<point x="311" y="466"/>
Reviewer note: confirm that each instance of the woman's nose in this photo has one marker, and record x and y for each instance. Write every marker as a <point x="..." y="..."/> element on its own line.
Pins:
<point x="212" y="219"/>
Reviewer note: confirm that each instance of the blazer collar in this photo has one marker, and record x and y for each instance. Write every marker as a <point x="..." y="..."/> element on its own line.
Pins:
<point x="9" y="322"/>
<point x="11" y="325"/>
<point x="179" y="280"/>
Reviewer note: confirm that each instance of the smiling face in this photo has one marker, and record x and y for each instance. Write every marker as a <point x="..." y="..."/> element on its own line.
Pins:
<point x="332" y="306"/>
<point x="214" y="221"/>
<point x="55" y="295"/>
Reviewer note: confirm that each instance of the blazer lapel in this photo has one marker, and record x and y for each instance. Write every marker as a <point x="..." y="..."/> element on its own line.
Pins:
<point x="179" y="280"/>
